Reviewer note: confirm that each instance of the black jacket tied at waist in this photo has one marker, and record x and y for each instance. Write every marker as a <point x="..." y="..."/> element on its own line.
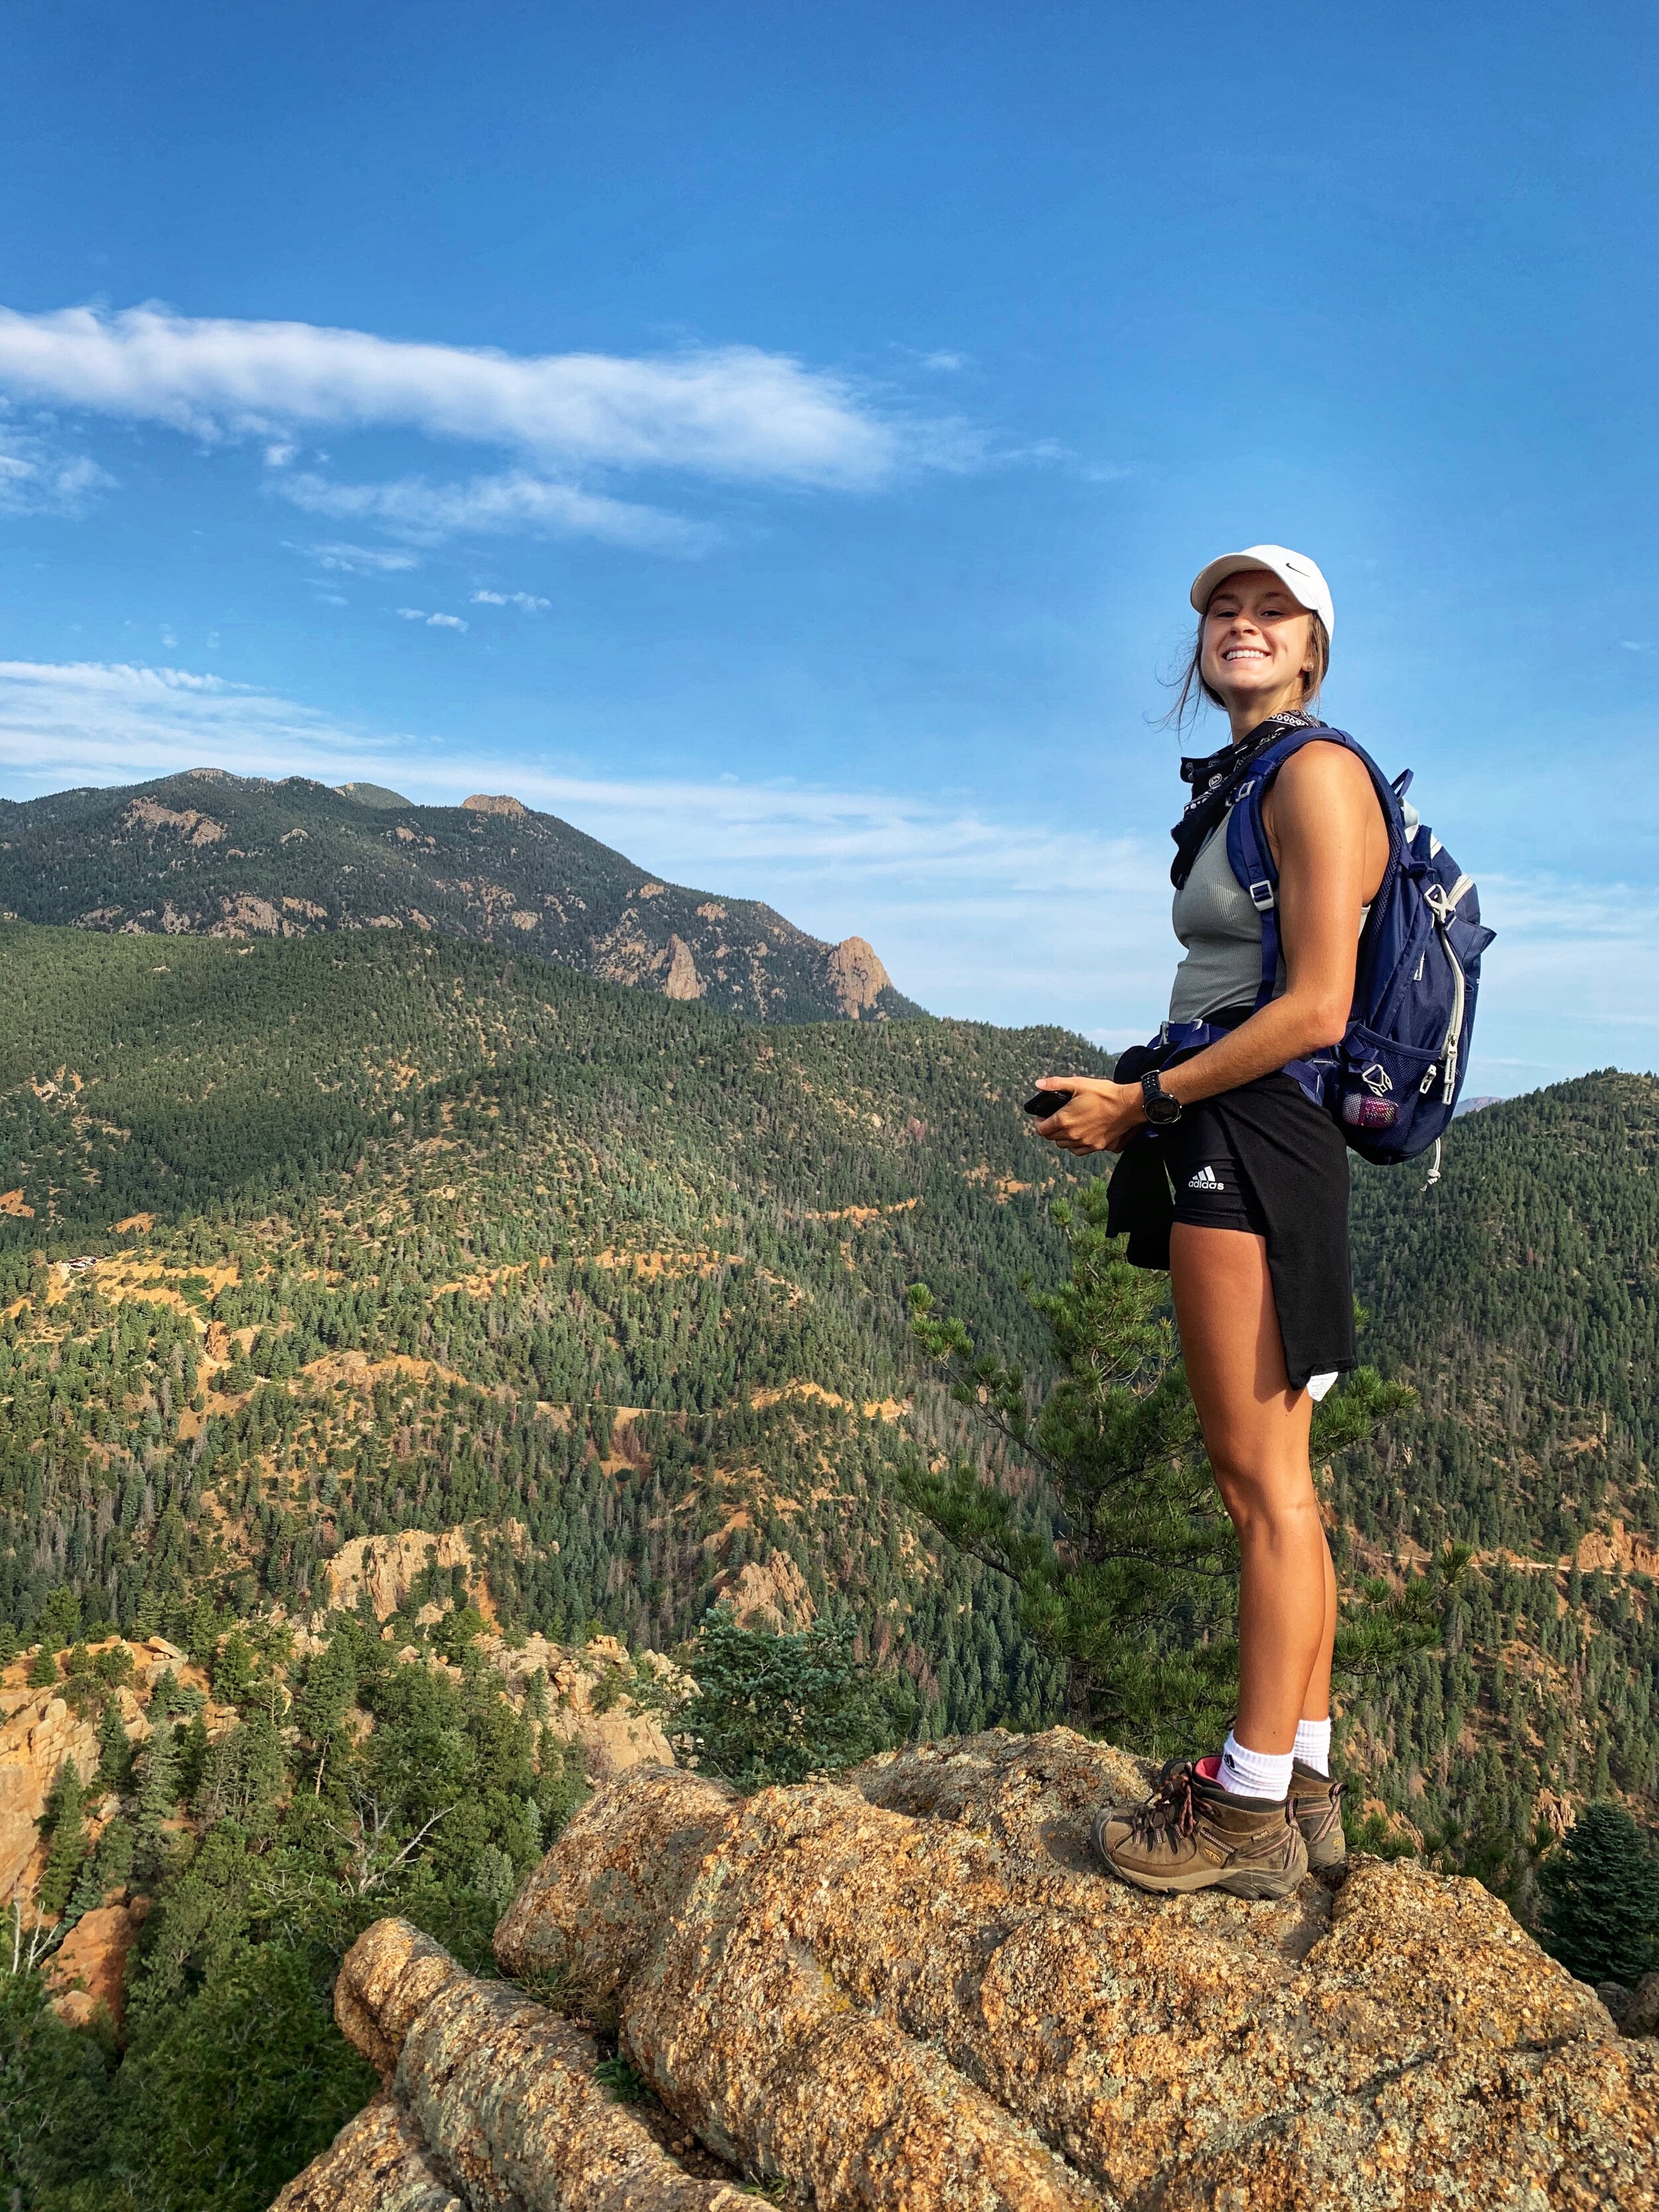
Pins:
<point x="1140" y="1199"/>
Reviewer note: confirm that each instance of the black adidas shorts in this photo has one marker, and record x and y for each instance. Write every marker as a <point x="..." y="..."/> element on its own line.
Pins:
<point x="1263" y="1158"/>
<point x="1212" y="1187"/>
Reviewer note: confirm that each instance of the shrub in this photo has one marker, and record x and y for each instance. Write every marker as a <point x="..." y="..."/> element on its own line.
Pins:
<point x="770" y="1708"/>
<point x="1601" y="1916"/>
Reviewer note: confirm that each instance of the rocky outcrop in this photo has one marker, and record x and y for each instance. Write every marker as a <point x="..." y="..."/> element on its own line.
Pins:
<point x="857" y="976"/>
<point x="39" y="1729"/>
<point x="38" y="1733"/>
<point x="484" y="802"/>
<point x="88" y="1971"/>
<point x="384" y="1569"/>
<point x="770" y="1594"/>
<point x="377" y="2163"/>
<point x="911" y="1990"/>
<point x="195" y="828"/>
<point x="495" y="2093"/>
<point x="590" y="1706"/>
<point x="682" y="981"/>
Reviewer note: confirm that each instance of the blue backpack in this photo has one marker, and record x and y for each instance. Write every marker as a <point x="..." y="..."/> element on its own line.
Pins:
<point x="1392" y="1083"/>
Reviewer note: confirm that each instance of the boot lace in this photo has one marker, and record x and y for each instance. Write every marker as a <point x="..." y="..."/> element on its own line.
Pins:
<point x="1171" y="1806"/>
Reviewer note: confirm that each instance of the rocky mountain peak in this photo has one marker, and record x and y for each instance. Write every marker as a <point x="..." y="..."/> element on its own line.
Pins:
<point x="857" y="977"/>
<point x="252" y="858"/>
<point x="484" y="803"/>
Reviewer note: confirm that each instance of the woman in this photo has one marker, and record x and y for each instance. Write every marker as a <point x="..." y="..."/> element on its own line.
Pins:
<point x="1258" y="1245"/>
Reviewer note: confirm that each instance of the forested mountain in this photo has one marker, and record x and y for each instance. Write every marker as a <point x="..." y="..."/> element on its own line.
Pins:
<point x="387" y="1232"/>
<point x="1520" y="1296"/>
<point x="310" y="1241"/>
<point x="208" y="853"/>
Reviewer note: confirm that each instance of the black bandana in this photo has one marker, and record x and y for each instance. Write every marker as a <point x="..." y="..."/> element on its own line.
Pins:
<point x="1212" y="780"/>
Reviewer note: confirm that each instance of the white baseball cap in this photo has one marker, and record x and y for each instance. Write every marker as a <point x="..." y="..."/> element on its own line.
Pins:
<point x="1300" y="576"/>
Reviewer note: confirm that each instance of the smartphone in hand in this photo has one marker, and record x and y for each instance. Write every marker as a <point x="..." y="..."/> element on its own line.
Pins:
<point x="1046" y="1102"/>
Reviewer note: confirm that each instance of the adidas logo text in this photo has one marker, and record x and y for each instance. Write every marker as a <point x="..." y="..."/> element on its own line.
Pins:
<point x="1206" y="1179"/>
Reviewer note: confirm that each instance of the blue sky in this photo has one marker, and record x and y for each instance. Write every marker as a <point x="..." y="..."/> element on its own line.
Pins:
<point x="780" y="440"/>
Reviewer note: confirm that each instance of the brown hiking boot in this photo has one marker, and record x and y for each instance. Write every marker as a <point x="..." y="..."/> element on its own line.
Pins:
<point x="1191" y="1834"/>
<point x="1316" y="1808"/>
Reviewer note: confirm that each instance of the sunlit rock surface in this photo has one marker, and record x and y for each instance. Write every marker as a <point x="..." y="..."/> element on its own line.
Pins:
<point x="910" y="1989"/>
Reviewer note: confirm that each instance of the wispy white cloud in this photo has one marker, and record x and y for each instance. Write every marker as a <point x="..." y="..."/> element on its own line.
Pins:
<point x="359" y="559"/>
<point x="426" y="513"/>
<point x="36" y="478"/>
<point x="733" y="412"/>
<point x="432" y="621"/>
<point x="79" y="722"/>
<point x="526" y="601"/>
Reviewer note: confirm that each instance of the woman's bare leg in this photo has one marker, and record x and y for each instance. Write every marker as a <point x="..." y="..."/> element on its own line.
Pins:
<point x="1316" y="1705"/>
<point x="1256" y="1430"/>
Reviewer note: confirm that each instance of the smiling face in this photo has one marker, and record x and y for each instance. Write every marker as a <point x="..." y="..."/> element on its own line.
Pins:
<point x="1258" y="645"/>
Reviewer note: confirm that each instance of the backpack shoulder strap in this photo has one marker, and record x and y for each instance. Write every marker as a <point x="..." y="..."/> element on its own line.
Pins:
<point x="1251" y="856"/>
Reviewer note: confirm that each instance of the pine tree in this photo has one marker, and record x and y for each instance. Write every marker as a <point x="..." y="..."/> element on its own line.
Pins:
<point x="104" y="1868"/>
<point x="1600" y="1888"/>
<point x="1134" y="1585"/>
<point x="65" y="1811"/>
<point x="158" y="1796"/>
<point x="774" y="1708"/>
<point x="114" y="1752"/>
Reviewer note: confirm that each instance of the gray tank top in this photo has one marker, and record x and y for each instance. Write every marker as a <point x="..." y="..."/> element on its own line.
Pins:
<point x="1221" y="931"/>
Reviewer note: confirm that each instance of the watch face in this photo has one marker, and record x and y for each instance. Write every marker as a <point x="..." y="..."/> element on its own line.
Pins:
<point x="1161" y="1108"/>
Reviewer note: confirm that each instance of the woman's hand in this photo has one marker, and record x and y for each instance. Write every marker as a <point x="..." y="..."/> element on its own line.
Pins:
<point x="1098" y="1117"/>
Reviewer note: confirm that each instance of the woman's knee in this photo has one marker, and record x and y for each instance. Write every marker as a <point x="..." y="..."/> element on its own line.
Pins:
<point x="1268" y="1503"/>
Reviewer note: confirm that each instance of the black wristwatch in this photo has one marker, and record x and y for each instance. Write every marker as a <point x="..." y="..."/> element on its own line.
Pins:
<point x="1161" y="1111"/>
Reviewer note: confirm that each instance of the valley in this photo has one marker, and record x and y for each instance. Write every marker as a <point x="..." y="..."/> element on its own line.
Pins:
<point x="404" y="1342"/>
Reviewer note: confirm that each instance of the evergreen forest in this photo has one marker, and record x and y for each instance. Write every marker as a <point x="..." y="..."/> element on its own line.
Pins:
<point x="311" y="1240"/>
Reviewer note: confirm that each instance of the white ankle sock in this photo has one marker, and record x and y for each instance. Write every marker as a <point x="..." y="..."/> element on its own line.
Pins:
<point x="1313" y="1744"/>
<point x="1255" y="1773"/>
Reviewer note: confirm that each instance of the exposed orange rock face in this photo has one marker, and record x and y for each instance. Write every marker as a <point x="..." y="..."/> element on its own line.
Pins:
<point x="857" y="976"/>
<point x="612" y="1736"/>
<point x="377" y="2163"/>
<point x="387" y="1568"/>
<point x="88" y="1968"/>
<point x="484" y="803"/>
<point x="38" y="1733"/>
<point x="683" y="980"/>
<point x="774" y="1595"/>
<point x="1620" y="1550"/>
<point x="193" y="828"/>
